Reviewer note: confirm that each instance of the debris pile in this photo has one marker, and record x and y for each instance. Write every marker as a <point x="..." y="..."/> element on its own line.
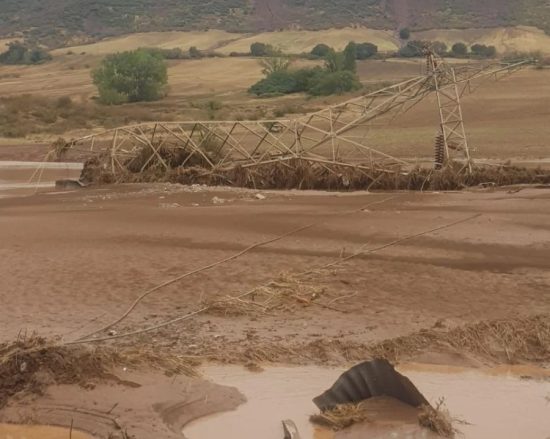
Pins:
<point x="302" y="174"/>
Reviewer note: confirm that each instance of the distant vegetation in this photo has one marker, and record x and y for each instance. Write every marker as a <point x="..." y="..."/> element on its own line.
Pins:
<point x="262" y="49"/>
<point x="23" y="115"/>
<point x="337" y="76"/>
<point x="18" y="53"/>
<point x="459" y="50"/>
<point x="53" y="22"/>
<point x="133" y="76"/>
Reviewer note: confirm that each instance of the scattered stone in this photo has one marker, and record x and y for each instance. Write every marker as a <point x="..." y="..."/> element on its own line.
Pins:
<point x="260" y="197"/>
<point x="217" y="200"/>
<point x="169" y="205"/>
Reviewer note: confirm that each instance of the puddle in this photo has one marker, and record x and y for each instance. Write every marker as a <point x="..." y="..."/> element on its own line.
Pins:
<point x="9" y="431"/>
<point x="496" y="403"/>
<point x="22" y="178"/>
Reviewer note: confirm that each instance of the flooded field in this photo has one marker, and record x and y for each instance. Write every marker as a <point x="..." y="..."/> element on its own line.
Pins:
<point x="27" y="178"/>
<point x="486" y="403"/>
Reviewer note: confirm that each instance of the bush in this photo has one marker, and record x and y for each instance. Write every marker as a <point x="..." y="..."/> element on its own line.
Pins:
<point x="330" y="83"/>
<point x="405" y="33"/>
<point x="439" y="48"/>
<point x="131" y="77"/>
<point x="262" y="49"/>
<point x="483" y="51"/>
<point x="320" y="50"/>
<point x="350" y="57"/>
<point x="337" y="76"/>
<point x="18" y="53"/>
<point x="195" y="53"/>
<point x="366" y="50"/>
<point x="459" y="50"/>
<point x="276" y="84"/>
<point x="414" y="49"/>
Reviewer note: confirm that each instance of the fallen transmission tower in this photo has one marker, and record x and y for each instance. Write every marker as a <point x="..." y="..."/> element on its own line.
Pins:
<point x="333" y="138"/>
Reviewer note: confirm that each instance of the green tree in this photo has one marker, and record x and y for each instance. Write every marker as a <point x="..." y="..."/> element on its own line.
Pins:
<point x="18" y="53"/>
<point x="131" y="77"/>
<point x="366" y="50"/>
<point x="320" y="50"/>
<point x="483" y="51"/>
<point x="350" y="57"/>
<point x="262" y="49"/>
<point x="439" y="47"/>
<point x="414" y="49"/>
<point x="404" y="33"/>
<point x="334" y="61"/>
<point x="459" y="50"/>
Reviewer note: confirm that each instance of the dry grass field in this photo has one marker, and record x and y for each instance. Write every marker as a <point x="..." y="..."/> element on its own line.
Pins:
<point x="505" y="120"/>
<point x="519" y="38"/>
<point x="511" y="39"/>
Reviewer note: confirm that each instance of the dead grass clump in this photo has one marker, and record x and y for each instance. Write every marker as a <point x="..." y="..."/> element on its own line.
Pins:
<point x="342" y="416"/>
<point x="31" y="364"/>
<point x="511" y="340"/>
<point x="233" y="307"/>
<point x="280" y="295"/>
<point x="437" y="420"/>
<point x="96" y="171"/>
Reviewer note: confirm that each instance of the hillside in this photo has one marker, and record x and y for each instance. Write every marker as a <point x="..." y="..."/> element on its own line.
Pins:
<point x="62" y="22"/>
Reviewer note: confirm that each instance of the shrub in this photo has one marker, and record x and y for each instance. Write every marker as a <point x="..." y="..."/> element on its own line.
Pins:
<point x="483" y="51"/>
<point x="262" y="49"/>
<point x="277" y="83"/>
<point x="459" y="50"/>
<point x="131" y="77"/>
<point x="350" y="57"/>
<point x="414" y="49"/>
<point x="330" y="83"/>
<point x="404" y="33"/>
<point x="366" y="50"/>
<point x="439" y="47"/>
<point x="18" y="53"/>
<point x="320" y="50"/>
<point x="64" y="102"/>
<point x="195" y="53"/>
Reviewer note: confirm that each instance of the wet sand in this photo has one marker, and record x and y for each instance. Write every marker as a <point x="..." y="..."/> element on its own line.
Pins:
<point x="74" y="261"/>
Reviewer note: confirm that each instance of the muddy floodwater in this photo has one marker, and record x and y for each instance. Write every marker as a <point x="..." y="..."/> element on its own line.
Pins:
<point x="493" y="403"/>
<point x="8" y="431"/>
<point x="27" y="178"/>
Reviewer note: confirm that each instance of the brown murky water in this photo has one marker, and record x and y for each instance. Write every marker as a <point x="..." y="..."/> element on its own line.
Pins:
<point x="27" y="178"/>
<point x="8" y="431"/>
<point x="493" y="403"/>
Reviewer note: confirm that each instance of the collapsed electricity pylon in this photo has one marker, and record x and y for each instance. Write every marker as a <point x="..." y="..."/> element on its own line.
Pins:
<point x="332" y="138"/>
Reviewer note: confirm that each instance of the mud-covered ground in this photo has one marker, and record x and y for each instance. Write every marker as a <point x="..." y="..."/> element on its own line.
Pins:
<point x="463" y="279"/>
<point x="73" y="262"/>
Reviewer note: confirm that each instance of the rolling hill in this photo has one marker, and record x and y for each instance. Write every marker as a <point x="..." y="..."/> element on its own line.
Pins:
<point x="62" y="22"/>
